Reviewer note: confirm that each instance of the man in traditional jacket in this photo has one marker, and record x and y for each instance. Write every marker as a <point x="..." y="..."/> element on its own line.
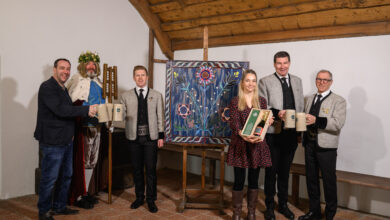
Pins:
<point x="325" y="116"/>
<point x="145" y="132"/>
<point x="282" y="91"/>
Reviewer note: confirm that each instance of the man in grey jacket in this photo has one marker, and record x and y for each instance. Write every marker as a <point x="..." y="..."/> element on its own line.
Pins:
<point x="326" y="113"/>
<point x="145" y="132"/>
<point x="282" y="91"/>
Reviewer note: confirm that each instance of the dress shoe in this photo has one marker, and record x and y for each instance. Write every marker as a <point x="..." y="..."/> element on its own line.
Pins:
<point x="310" y="216"/>
<point x="329" y="216"/>
<point x="152" y="207"/>
<point x="46" y="216"/>
<point x="284" y="210"/>
<point x="92" y="199"/>
<point x="137" y="203"/>
<point x="269" y="214"/>
<point x="65" y="211"/>
<point x="84" y="203"/>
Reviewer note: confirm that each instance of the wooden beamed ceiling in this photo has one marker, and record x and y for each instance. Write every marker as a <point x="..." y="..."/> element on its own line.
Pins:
<point x="178" y="24"/>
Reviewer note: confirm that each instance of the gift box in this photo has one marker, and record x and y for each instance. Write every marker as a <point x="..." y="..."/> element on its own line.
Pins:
<point x="257" y="123"/>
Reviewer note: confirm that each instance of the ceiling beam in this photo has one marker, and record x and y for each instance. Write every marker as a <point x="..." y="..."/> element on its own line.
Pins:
<point x="219" y="7"/>
<point x="154" y="23"/>
<point x="370" y="29"/>
<point x="317" y="19"/>
<point x="271" y="12"/>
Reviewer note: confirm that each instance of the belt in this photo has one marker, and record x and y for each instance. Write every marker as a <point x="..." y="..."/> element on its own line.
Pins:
<point x="142" y="130"/>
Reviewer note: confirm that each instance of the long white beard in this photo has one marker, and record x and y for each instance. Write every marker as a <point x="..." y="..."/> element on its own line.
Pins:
<point x="91" y="74"/>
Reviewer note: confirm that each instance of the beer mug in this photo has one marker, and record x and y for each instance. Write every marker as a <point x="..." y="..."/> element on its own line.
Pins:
<point x="289" y="118"/>
<point x="301" y="121"/>
<point x="102" y="113"/>
<point x="110" y="107"/>
<point x="118" y="112"/>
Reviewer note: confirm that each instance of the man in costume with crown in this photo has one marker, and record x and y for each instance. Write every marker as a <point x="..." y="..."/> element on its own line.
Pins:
<point x="85" y="88"/>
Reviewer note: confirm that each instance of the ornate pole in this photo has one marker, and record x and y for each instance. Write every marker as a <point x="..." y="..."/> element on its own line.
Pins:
<point x="110" y="91"/>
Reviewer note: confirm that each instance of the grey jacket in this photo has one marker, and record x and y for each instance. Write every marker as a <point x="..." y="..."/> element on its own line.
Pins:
<point x="271" y="89"/>
<point x="155" y="114"/>
<point x="334" y="109"/>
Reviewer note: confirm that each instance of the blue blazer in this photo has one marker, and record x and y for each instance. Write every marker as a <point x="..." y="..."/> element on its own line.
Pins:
<point x="55" y="120"/>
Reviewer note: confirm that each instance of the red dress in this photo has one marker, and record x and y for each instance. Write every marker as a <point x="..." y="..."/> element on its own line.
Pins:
<point x="241" y="153"/>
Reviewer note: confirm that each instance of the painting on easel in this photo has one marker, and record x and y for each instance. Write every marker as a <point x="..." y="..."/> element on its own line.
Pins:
<point x="197" y="95"/>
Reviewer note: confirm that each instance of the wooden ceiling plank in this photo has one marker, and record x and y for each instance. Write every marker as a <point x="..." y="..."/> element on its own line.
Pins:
<point x="310" y="20"/>
<point x="166" y="6"/>
<point x="154" y="2"/>
<point x="377" y="28"/>
<point x="153" y="22"/>
<point x="219" y="7"/>
<point x="295" y="9"/>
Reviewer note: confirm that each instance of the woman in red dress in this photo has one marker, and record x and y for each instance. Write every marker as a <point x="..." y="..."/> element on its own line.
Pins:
<point x="246" y="152"/>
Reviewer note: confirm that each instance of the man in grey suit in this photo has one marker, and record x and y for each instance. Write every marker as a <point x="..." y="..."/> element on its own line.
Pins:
<point x="145" y="132"/>
<point x="326" y="113"/>
<point x="282" y="91"/>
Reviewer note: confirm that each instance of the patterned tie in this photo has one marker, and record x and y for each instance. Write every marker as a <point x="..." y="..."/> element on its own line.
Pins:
<point x="141" y="95"/>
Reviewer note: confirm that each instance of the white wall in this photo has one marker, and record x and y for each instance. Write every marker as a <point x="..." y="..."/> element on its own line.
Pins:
<point x="32" y="35"/>
<point x="361" y="76"/>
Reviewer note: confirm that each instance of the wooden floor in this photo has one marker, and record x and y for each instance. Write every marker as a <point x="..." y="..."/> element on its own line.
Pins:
<point x="169" y="195"/>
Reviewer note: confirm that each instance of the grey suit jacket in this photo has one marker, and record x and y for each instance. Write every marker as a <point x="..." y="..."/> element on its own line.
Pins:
<point x="155" y="114"/>
<point x="334" y="109"/>
<point x="271" y="89"/>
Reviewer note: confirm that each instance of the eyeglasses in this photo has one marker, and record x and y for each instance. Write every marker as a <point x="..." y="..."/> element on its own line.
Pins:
<point x="323" y="80"/>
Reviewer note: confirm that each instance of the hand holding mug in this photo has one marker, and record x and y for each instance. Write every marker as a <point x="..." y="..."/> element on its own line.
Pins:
<point x="92" y="110"/>
<point x="310" y="119"/>
<point x="281" y="114"/>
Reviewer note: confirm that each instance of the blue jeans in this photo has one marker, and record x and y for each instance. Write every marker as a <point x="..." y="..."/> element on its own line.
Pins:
<point x="56" y="169"/>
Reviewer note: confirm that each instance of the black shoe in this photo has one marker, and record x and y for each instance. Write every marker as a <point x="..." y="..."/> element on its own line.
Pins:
<point x="329" y="216"/>
<point x="84" y="203"/>
<point x="310" y="216"/>
<point x="152" y="207"/>
<point x="284" y="210"/>
<point x="269" y="214"/>
<point x="65" y="211"/>
<point x="137" y="203"/>
<point x="46" y="216"/>
<point x="92" y="199"/>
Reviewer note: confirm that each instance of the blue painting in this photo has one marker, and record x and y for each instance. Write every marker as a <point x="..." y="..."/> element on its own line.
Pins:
<point x="197" y="95"/>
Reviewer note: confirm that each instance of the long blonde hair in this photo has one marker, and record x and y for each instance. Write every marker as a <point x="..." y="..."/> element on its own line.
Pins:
<point x="241" y="98"/>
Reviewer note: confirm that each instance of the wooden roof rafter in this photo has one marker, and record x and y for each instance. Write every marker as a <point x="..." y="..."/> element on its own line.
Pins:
<point x="154" y="23"/>
<point x="232" y="22"/>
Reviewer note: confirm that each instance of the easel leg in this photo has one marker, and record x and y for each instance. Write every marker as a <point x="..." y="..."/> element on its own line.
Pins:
<point x="222" y="179"/>
<point x="183" y="201"/>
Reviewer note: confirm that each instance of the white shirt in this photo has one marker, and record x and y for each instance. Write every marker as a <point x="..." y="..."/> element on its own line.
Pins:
<point x="323" y="95"/>
<point x="145" y="88"/>
<point x="286" y="76"/>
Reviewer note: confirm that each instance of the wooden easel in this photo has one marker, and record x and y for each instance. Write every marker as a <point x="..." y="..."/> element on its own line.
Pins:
<point x="185" y="202"/>
<point x="110" y="90"/>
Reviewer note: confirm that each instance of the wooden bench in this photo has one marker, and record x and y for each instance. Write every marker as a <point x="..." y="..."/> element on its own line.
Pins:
<point x="342" y="176"/>
<point x="298" y="170"/>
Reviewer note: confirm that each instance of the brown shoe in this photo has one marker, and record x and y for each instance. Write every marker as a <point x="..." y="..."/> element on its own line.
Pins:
<point x="237" y="204"/>
<point x="252" y="202"/>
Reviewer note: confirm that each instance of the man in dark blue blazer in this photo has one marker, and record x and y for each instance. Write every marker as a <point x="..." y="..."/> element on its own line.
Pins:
<point x="54" y="131"/>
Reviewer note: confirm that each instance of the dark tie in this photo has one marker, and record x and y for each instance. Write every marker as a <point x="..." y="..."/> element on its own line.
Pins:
<point x="141" y="95"/>
<point x="319" y="96"/>
<point x="284" y="80"/>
